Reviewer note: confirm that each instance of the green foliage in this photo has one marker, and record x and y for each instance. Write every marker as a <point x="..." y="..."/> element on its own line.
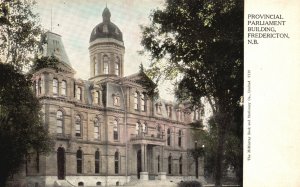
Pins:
<point x="201" y="42"/>
<point x="20" y="32"/>
<point x="189" y="184"/>
<point x="21" y="128"/>
<point x="45" y="62"/>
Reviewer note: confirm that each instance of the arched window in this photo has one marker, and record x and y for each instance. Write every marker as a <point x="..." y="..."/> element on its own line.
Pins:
<point x="79" y="161"/>
<point x="116" y="162"/>
<point x="96" y="70"/>
<point x="117" y="66"/>
<point x="64" y="88"/>
<point x="169" y="137"/>
<point x="105" y="65"/>
<point x="77" y="126"/>
<point x="143" y="102"/>
<point x="96" y="129"/>
<point x="97" y="97"/>
<point x="80" y="184"/>
<point x="98" y="184"/>
<point x="136" y="104"/>
<point x="170" y="164"/>
<point x="179" y="137"/>
<point x="180" y="165"/>
<point x="79" y="93"/>
<point x="97" y="162"/>
<point x="116" y="133"/>
<point x="59" y="122"/>
<point x="55" y="86"/>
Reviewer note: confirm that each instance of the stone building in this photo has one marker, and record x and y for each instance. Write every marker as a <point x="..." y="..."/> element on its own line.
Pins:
<point x="108" y="130"/>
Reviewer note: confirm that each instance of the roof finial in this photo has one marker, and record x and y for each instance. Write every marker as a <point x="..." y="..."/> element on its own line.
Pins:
<point x="106" y="15"/>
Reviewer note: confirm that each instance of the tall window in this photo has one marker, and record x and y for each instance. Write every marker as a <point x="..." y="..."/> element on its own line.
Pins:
<point x="180" y="165"/>
<point x="136" y="104"/>
<point x="59" y="122"/>
<point x="97" y="161"/>
<point x="170" y="164"/>
<point x="55" y="86"/>
<point x="96" y="129"/>
<point x="158" y="128"/>
<point x="169" y="111"/>
<point x="117" y="66"/>
<point x="179" y="138"/>
<point x="39" y="86"/>
<point x="116" y="162"/>
<point x="144" y="128"/>
<point x="97" y="97"/>
<point x="79" y="94"/>
<point x="116" y="133"/>
<point x="96" y="72"/>
<point x="64" y="88"/>
<point x="143" y="103"/>
<point x="137" y="128"/>
<point x="169" y="137"/>
<point x="79" y="161"/>
<point x="77" y="126"/>
<point x="105" y="65"/>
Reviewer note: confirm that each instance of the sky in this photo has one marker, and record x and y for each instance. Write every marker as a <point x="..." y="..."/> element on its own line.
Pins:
<point x="75" y="19"/>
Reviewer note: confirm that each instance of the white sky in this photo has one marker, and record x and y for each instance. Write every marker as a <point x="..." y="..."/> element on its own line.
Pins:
<point x="75" y="19"/>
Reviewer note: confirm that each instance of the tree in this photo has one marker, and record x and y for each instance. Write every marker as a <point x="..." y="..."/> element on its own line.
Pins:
<point x="202" y="43"/>
<point x="21" y="128"/>
<point x="19" y="32"/>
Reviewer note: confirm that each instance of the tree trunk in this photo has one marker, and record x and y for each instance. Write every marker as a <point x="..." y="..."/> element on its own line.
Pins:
<point x="220" y="154"/>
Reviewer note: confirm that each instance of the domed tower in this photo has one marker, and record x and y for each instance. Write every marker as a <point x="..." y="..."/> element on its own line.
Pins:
<point x="106" y="50"/>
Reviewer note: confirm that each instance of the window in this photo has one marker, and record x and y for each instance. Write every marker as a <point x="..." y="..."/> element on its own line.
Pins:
<point x="117" y="66"/>
<point x="137" y="128"/>
<point x="55" y="86"/>
<point x="179" y="138"/>
<point x="79" y="161"/>
<point x="116" y="99"/>
<point x="96" y="129"/>
<point x="143" y="102"/>
<point x="116" y="134"/>
<point x="169" y="137"/>
<point x="136" y="104"/>
<point x="59" y="122"/>
<point x="97" y="97"/>
<point x="80" y="184"/>
<point x="98" y="184"/>
<point x="64" y="88"/>
<point x="96" y="70"/>
<point x="144" y="128"/>
<point x="158" y="108"/>
<point x="116" y="162"/>
<point x="97" y="161"/>
<point x="39" y="86"/>
<point x="180" y="165"/>
<point x="79" y="93"/>
<point x="170" y="164"/>
<point x="158" y="128"/>
<point x="105" y="65"/>
<point x="169" y="111"/>
<point x="77" y="126"/>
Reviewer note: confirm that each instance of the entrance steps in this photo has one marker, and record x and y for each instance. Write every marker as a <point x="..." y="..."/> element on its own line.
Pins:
<point x="151" y="183"/>
<point x="63" y="183"/>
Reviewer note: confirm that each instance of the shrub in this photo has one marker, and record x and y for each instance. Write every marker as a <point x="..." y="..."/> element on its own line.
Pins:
<point x="189" y="184"/>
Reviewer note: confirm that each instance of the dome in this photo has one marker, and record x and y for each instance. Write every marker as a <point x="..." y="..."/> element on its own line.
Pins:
<point x="106" y="29"/>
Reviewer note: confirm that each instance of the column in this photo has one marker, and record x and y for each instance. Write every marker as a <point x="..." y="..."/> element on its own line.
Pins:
<point x="162" y="175"/>
<point x="144" y="173"/>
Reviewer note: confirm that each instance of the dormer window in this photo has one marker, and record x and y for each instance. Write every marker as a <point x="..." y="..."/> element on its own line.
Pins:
<point x="143" y="102"/>
<point x="64" y="88"/>
<point x="158" y="108"/>
<point x="169" y="111"/>
<point x="79" y="93"/>
<point x="136" y="103"/>
<point x="105" y="29"/>
<point x="96" y="97"/>
<point x="116" y="99"/>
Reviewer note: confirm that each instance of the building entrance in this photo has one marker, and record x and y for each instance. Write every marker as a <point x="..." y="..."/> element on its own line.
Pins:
<point x="61" y="174"/>
<point x="139" y="163"/>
